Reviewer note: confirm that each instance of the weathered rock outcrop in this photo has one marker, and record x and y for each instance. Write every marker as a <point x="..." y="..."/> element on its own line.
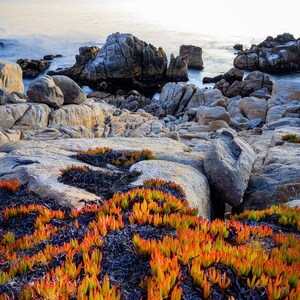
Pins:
<point x="125" y="62"/>
<point x="177" y="98"/>
<point x="283" y="105"/>
<point x="193" y="55"/>
<point x="253" y="82"/>
<point x="85" y="55"/>
<point x="32" y="68"/>
<point x="125" y="57"/>
<point x="11" y="77"/>
<point x="228" y="164"/>
<point x="178" y="69"/>
<point x="280" y="54"/>
<point x="275" y="178"/>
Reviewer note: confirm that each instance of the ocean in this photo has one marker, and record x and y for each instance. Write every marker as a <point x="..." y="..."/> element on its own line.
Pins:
<point x="34" y="28"/>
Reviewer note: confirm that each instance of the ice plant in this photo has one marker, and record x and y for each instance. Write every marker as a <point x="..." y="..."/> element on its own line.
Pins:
<point x="291" y="137"/>
<point x="63" y="171"/>
<point x="202" y="248"/>
<point x="12" y="186"/>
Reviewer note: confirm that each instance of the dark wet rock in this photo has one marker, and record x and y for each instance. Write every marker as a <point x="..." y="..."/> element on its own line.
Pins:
<point x="1" y="44"/>
<point x="124" y="62"/>
<point x="131" y="103"/>
<point x="125" y="58"/>
<point x="84" y="56"/>
<point x="212" y="79"/>
<point x="275" y="177"/>
<point x="253" y="82"/>
<point x="98" y="95"/>
<point x="49" y="57"/>
<point x="230" y="76"/>
<point x="277" y="55"/>
<point x="32" y="68"/>
<point x="238" y="47"/>
<point x="233" y="75"/>
<point x="178" y="69"/>
<point x="193" y="54"/>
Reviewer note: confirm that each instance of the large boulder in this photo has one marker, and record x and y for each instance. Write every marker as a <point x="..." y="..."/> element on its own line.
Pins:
<point x="228" y="164"/>
<point x="193" y="182"/>
<point x="44" y="90"/>
<point x="32" y="68"/>
<point x="280" y="54"/>
<point x="72" y="92"/>
<point x="11" y="77"/>
<point x="132" y="102"/>
<point x="233" y="75"/>
<point x="193" y="54"/>
<point x="125" y="57"/>
<point x="230" y="77"/>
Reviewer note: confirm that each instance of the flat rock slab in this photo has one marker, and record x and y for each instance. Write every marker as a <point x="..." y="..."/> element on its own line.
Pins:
<point x="193" y="182"/>
<point x="38" y="163"/>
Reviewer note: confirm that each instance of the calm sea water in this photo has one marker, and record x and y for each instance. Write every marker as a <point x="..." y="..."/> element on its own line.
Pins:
<point x="34" y="28"/>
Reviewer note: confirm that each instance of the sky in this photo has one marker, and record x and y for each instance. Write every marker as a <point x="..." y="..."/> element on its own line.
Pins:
<point x="255" y="18"/>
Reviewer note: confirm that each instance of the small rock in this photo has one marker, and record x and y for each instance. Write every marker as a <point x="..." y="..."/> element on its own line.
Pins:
<point x="48" y="57"/>
<point x="238" y="47"/>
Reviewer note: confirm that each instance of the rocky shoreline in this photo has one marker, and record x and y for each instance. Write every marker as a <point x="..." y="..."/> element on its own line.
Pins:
<point x="240" y="110"/>
<point x="113" y="194"/>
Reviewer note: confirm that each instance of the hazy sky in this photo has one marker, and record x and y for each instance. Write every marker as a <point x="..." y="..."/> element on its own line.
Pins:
<point x="256" y="18"/>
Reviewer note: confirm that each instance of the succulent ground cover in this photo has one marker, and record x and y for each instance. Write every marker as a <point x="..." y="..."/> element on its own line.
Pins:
<point x="144" y="243"/>
<point x="291" y="137"/>
<point x="101" y="157"/>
